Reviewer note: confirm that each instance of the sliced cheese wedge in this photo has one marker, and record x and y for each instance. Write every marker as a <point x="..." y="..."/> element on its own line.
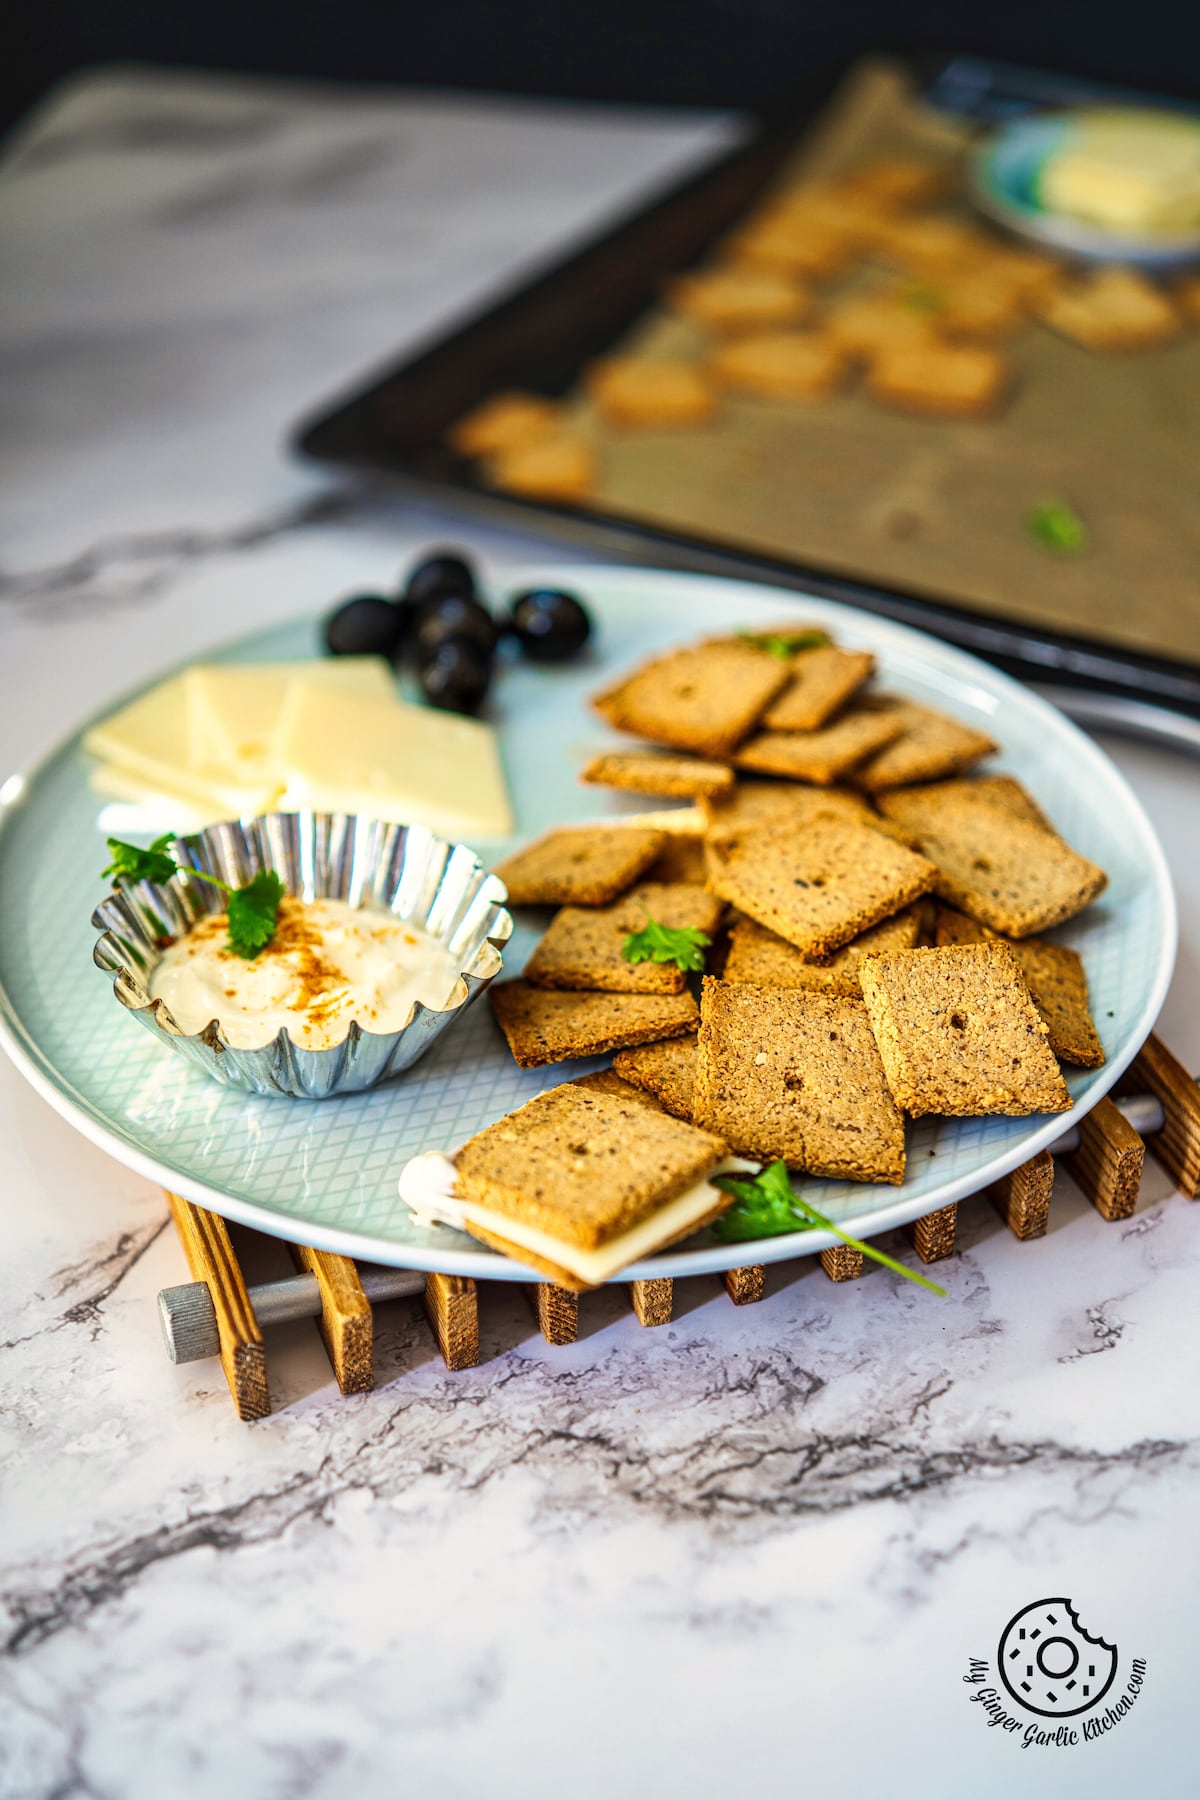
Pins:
<point x="149" y="739"/>
<point x="342" y="752"/>
<point x="233" y="709"/>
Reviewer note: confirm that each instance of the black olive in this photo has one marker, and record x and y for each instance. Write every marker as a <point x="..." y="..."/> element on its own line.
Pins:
<point x="366" y="625"/>
<point x="552" y="627"/>
<point x="456" y="676"/>
<point x="455" y="617"/>
<point x="436" y="576"/>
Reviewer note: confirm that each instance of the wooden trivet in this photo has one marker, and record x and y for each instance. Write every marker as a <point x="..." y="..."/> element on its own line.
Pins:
<point x="216" y="1314"/>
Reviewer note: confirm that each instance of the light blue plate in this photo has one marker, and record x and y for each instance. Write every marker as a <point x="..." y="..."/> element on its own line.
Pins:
<point x="1002" y="176"/>
<point x="325" y="1173"/>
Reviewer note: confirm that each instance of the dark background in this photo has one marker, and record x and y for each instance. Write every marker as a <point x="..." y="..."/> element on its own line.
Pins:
<point x="682" y="52"/>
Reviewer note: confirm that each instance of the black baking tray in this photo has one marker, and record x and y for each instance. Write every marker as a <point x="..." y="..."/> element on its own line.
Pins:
<point x="539" y="335"/>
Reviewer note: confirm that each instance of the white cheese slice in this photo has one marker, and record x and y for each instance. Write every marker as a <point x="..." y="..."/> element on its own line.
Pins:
<point x="427" y="1187"/>
<point x="149" y="739"/>
<point x="233" y="708"/>
<point x="407" y="764"/>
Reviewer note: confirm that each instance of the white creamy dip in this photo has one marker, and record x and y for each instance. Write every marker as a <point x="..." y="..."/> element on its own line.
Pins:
<point x="327" y="963"/>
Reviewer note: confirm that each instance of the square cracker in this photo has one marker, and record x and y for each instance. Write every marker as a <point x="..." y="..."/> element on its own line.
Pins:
<point x="821" y="887"/>
<point x="929" y="746"/>
<point x="590" y="865"/>
<point x="607" y="1081"/>
<point x="822" y="756"/>
<point x="546" y="1027"/>
<point x="993" y="864"/>
<point x="787" y="802"/>
<point x="737" y="299"/>
<point x="1006" y="791"/>
<point x="781" y="365"/>
<point x="704" y="697"/>
<point x="957" y="381"/>
<point x="797" y="1075"/>
<point x="582" y="947"/>
<point x="582" y="1165"/>
<point x="1114" y="309"/>
<point x="1057" y="984"/>
<point x="959" y="1034"/>
<point x="762" y="959"/>
<point x="822" y="680"/>
<point x="647" y="390"/>
<point x="658" y="772"/>
<point x="667" y="1071"/>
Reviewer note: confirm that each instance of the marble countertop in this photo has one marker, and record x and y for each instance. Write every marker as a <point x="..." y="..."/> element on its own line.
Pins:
<point x="751" y="1551"/>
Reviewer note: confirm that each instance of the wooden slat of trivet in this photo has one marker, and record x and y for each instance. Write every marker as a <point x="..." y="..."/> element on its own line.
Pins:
<point x="1177" y="1145"/>
<point x="745" y="1286"/>
<point x="452" y="1307"/>
<point x="210" y="1255"/>
<point x="346" y="1322"/>
<point x="933" y="1236"/>
<point x="556" y="1310"/>
<point x="653" y="1301"/>
<point x="1022" y="1197"/>
<point x="841" y="1262"/>
<point x="1109" y="1161"/>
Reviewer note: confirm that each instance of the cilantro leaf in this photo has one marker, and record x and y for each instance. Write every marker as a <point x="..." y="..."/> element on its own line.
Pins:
<point x="254" y="913"/>
<point x="785" y="644"/>
<point x="129" y="863"/>
<point x="766" y="1205"/>
<point x="1057" y="527"/>
<point x="683" y="945"/>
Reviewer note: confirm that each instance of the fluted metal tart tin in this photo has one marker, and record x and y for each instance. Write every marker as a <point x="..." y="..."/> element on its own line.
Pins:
<point x="403" y="869"/>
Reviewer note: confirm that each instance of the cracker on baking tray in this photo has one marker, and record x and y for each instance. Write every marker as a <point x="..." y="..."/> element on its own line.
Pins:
<point x="823" y="679"/>
<point x="585" y="865"/>
<point x="583" y="1168"/>
<point x="505" y="421"/>
<point x="562" y="467"/>
<point x="543" y="1026"/>
<point x="763" y="959"/>
<point x="582" y="947"/>
<point x="781" y="365"/>
<point x="823" y="756"/>
<point x="965" y="381"/>
<point x="658" y="772"/>
<point x="993" y="864"/>
<point x="1057" y="984"/>
<point x="704" y="697"/>
<point x="930" y="745"/>
<point x="1113" y="309"/>
<point x="820" y="887"/>
<point x="959" y="1034"/>
<point x="737" y="299"/>
<point x="796" y="1075"/>
<point x="648" y="390"/>
<point x="666" y="1070"/>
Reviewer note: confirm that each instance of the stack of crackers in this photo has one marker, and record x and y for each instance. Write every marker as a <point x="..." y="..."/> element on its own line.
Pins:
<point x="876" y="914"/>
<point x="872" y="275"/>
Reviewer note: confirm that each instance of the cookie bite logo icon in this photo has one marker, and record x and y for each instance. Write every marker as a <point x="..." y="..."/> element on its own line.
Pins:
<point x="1051" y="1666"/>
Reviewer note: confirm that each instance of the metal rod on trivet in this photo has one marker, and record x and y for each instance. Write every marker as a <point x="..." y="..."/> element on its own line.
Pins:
<point x="189" y="1320"/>
<point x="1143" y="1111"/>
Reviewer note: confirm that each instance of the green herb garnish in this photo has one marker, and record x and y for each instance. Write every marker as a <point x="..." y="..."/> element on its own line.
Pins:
<point x="785" y="644"/>
<point x="766" y="1205"/>
<point x="921" y="299"/>
<point x="253" y="909"/>
<point x="684" y="945"/>
<point x="1058" y="527"/>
